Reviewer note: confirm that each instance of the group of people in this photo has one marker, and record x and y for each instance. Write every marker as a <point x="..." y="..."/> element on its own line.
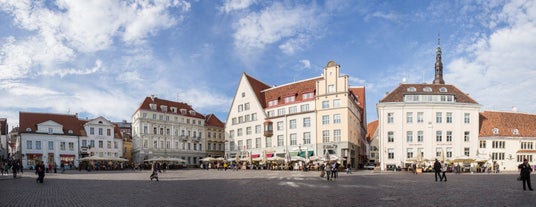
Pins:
<point x="331" y="171"/>
<point x="14" y="165"/>
<point x="440" y="169"/>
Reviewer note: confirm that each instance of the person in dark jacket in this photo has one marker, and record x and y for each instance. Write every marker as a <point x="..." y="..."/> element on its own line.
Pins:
<point x="40" y="171"/>
<point x="525" y="171"/>
<point x="437" y="170"/>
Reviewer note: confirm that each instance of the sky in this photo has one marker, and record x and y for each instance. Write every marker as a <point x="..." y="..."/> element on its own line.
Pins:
<point x="102" y="58"/>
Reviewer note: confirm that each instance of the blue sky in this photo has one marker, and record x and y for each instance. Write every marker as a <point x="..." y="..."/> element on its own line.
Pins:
<point x="102" y="58"/>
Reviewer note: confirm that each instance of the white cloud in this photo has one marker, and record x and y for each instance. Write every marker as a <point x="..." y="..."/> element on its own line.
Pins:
<point x="306" y="63"/>
<point x="273" y="24"/>
<point x="499" y="69"/>
<point x="233" y="5"/>
<point x="390" y="16"/>
<point x="204" y="100"/>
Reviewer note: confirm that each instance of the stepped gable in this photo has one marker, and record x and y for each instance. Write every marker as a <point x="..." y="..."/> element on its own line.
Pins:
<point x="397" y="95"/>
<point x="506" y="122"/>
<point x="29" y="120"/>
<point x="145" y="105"/>
<point x="296" y="89"/>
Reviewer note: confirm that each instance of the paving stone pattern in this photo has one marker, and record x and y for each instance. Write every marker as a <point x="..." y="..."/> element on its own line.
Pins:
<point x="262" y="188"/>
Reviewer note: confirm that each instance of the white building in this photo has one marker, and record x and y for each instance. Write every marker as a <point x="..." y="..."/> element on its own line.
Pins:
<point x="305" y="118"/>
<point x="103" y="139"/>
<point x="52" y="138"/>
<point x="427" y="121"/>
<point x="506" y="138"/>
<point x="162" y="128"/>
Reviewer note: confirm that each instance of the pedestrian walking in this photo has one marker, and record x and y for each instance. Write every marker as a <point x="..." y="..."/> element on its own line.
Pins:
<point x="348" y="169"/>
<point x="334" y="170"/>
<point x="444" y="168"/>
<point x="524" y="174"/>
<point x="437" y="169"/>
<point x="156" y="169"/>
<point x="40" y="171"/>
<point x="62" y="166"/>
<point x="327" y="169"/>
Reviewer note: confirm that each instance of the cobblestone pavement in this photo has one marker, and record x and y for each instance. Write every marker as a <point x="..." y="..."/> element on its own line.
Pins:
<point x="262" y="188"/>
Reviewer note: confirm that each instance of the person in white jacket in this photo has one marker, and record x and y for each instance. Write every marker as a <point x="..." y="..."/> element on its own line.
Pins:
<point x="443" y="171"/>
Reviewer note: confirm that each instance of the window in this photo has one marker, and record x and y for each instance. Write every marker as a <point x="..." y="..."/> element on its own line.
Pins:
<point x="498" y="144"/>
<point x="466" y="118"/>
<point x="248" y="130"/>
<point x="391" y="153"/>
<point x="466" y="151"/>
<point x="438" y="117"/>
<point x="449" y="152"/>
<point x="293" y="139"/>
<point x="420" y="117"/>
<point x="420" y="136"/>
<point x="279" y="125"/>
<point x="258" y="142"/>
<point x="246" y="106"/>
<point x="304" y="107"/>
<point x="427" y="89"/>
<point x="325" y="136"/>
<point x="390" y="118"/>
<point x="289" y="99"/>
<point x="307" y="96"/>
<point x="50" y="130"/>
<point x="62" y="146"/>
<point x="497" y="156"/>
<point x="239" y="132"/>
<point x="336" y="118"/>
<point x="268" y="142"/>
<point x="281" y="111"/>
<point x="337" y="135"/>
<point x="443" y="89"/>
<point x="325" y="119"/>
<point x="257" y="129"/>
<point x="91" y="130"/>
<point x="292" y="109"/>
<point x="248" y="143"/>
<point x="449" y="117"/>
<point x="240" y="145"/>
<point x="412" y="89"/>
<point x="243" y="94"/>
<point x="92" y="143"/>
<point x="438" y="152"/>
<point x="307" y="138"/>
<point x="524" y="145"/>
<point x="71" y="146"/>
<point x="254" y="117"/>
<point x="520" y="158"/>
<point x="292" y="124"/>
<point x="515" y="131"/>
<point x="495" y="131"/>
<point x="247" y="118"/>
<point x="390" y="136"/>
<point x="272" y="102"/>
<point x="37" y="145"/>
<point x="449" y="136"/>
<point x="240" y="108"/>
<point x="439" y="136"/>
<point x="280" y="140"/>
<point x="337" y="103"/>
<point x="409" y="136"/>
<point x="466" y="136"/>
<point x="409" y="153"/>
<point x="331" y="88"/>
<point x="482" y="144"/>
<point x="409" y="117"/>
<point x="325" y="104"/>
<point x="307" y="122"/>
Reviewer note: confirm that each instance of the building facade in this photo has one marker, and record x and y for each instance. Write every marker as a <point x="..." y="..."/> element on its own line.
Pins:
<point x="422" y="122"/>
<point x="51" y="138"/>
<point x="4" y="139"/>
<point x="506" y="138"/>
<point x="102" y="139"/>
<point x="163" y="128"/>
<point x="311" y="117"/>
<point x="215" y="131"/>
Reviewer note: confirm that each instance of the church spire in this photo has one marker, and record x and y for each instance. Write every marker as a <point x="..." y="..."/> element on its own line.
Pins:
<point x="438" y="79"/>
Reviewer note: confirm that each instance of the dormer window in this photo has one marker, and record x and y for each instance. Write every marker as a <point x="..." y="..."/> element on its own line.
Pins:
<point x="192" y="112"/>
<point x="307" y="95"/>
<point x="174" y="109"/>
<point x="183" y="111"/>
<point x="427" y="89"/>
<point x="412" y="89"/>
<point x="153" y="106"/>
<point x="495" y="131"/>
<point x="50" y="130"/>
<point x="70" y="131"/>
<point x="272" y="102"/>
<point x="289" y="99"/>
<point x="163" y="108"/>
<point x="443" y="90"/>
<point x="28" y="129"/>
<point x="515" y="131"/>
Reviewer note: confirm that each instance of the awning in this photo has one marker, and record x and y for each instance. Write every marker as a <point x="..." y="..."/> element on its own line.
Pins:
<point x="34" y="154"/>
<point x="255" y="155"/>
<point x="302" y="153"/>
<point x="67" y="155"/>
<point x="269" y="155"/>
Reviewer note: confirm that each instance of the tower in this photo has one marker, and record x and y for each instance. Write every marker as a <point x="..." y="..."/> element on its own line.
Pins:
<point x="438" y="78"/>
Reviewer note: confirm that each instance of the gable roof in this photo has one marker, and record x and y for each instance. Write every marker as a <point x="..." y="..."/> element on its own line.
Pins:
<point x="145" y="105"/>
<point x="506" y="122"/>
<point x="212" y="120"/>
<point x="29" y="120"/>
<point x="257" y="87"/>
<point x="397" y="95"/>
<point x="371" y="130"/>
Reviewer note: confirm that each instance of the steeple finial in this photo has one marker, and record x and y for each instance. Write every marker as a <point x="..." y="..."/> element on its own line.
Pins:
<point x="438" y="79"/>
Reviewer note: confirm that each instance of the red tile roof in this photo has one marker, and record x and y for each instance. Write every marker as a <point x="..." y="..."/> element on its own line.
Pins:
<point x="506" y="122"/>
<point x="212" y="120"/>
<point x="145" y="105"/>
<point x="296" y="89"/>
<point x="257" y="86"/>
<point x="69" y="122"/>
<point x="371" y="129"/>
<point x="397" y="95"/>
